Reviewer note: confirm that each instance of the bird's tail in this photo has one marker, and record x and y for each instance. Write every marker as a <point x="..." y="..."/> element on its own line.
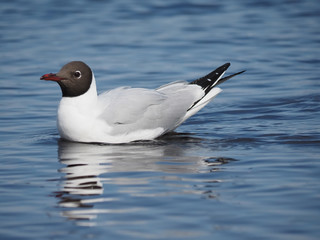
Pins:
<point x="208" y="84"/>
<point x="214" y="78"/>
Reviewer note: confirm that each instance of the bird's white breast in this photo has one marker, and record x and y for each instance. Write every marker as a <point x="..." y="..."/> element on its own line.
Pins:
<point x="77" y="116"/>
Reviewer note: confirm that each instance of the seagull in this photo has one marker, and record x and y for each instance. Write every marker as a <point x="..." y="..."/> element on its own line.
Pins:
<point x="126" y="114"/>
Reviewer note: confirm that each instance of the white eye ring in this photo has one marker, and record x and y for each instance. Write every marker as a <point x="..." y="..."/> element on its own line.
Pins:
<point x="77" y="74"/>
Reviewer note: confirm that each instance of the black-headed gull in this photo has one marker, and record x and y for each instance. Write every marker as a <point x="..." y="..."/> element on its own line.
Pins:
<point x="127" y="114"/>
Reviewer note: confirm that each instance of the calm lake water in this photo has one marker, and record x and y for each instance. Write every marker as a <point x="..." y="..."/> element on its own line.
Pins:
<point x="246" y="167"/>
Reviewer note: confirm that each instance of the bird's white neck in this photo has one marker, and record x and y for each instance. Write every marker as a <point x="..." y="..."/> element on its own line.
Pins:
<point x="84" y="101"/>
<point x="76" y="115"/>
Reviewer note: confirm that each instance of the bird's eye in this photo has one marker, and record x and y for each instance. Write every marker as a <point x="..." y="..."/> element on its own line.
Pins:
<point x="77" y="74"/>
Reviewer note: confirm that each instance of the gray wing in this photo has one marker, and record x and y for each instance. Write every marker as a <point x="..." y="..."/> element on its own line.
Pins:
<point x="129" y="109"/>
<point x="126" y="105"/>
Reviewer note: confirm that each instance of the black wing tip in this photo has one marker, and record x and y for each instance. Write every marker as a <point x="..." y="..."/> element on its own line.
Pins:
<point x="211" y="78"/>
<point x="222" y="68"/>
<point x="226" y="65"/>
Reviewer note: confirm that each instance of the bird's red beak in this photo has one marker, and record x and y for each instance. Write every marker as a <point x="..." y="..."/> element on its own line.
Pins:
<point x="51" y="77"/>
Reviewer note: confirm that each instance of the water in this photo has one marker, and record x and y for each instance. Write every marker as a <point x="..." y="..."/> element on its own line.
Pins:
<point x="245" y="167"/>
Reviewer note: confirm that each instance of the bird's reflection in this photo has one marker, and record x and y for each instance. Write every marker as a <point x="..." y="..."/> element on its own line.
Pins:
<point x="86" y="167"/>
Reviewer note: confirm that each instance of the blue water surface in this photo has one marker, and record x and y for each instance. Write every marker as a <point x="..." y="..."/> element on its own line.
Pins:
<point x="245" y="167"/>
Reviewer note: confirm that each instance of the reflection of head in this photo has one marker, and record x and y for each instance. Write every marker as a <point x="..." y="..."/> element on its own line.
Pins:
<point x="82" y="168"/>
